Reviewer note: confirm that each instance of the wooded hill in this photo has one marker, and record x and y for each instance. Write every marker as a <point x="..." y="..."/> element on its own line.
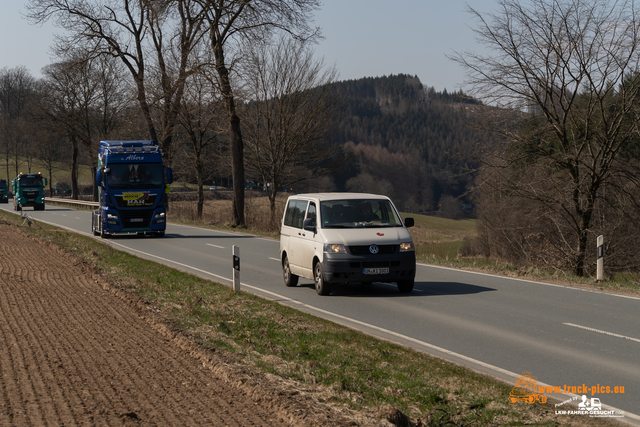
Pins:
<point x="406" y="140"/>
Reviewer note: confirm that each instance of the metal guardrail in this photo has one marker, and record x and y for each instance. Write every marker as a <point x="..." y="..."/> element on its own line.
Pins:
<point x="72" y="202"/>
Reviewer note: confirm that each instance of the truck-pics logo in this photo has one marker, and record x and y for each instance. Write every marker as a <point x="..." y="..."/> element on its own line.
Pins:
<point x="526" y="390"/>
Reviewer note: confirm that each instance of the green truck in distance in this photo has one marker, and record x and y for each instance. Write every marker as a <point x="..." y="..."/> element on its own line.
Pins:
<point x="4" y="191"/>
<point x="28" y="190"/>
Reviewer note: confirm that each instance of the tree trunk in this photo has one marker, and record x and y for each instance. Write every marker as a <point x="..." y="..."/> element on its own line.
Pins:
<point x="235" y="136"/>
<point x="273" y="223"/>
<point x="74" y="168"/>
<point x="200" y="180"/>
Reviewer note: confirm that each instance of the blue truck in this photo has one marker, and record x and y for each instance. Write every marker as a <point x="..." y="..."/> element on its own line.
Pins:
<point x="132" y="183"/>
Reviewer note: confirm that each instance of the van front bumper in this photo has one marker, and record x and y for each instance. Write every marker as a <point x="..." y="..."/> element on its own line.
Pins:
<point x="346" y="268"/>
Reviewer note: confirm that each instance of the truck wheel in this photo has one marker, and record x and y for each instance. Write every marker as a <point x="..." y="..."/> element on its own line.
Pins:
<point x="322" y="288"/>
<point x="18" y="207"/>
<point x="406" y="286"/>
<point x="103" y="234"/>
<point x="290" y="280"/>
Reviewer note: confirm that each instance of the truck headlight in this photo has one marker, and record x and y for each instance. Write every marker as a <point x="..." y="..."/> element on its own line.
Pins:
<point x="333" y="248"/>
<point x="406" y="247"/>
<point x="112" y="216"/>
<point x="159" y="218"/>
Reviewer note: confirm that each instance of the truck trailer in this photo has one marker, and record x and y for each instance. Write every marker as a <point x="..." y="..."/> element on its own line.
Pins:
<point x="132" y="185"/>
<point x="28" y="190"/>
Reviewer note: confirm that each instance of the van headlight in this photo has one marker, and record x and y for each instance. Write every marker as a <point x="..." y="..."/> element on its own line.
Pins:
<point x="406" y="247"/>
<point x="334" y="248"/>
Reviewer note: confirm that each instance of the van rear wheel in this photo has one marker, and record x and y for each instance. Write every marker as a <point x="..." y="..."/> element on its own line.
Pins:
<point x="322" y="288"/>
<point x="290" y="280"/>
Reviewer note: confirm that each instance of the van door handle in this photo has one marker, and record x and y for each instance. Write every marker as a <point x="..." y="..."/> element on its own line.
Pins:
<point x="301" y="234"/>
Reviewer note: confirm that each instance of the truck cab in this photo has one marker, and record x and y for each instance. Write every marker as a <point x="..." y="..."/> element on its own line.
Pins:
<point x="28" y="190"/>
<point x="132" y="183"/>
<point x="4" y="191"/>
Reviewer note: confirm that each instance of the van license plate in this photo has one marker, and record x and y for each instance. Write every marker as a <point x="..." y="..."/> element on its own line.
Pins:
<point x="381" y="270"/>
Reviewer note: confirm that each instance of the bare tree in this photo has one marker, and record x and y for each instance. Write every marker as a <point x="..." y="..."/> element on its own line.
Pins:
<point x="200" y="117"/>
<point x="108" y="105"/>
<point x="230" y="22"/>
<point x="144" y="34"/>
<point x="567" y="70"/>
<point x="290" y="116"/>
<point x="16" y="88"/>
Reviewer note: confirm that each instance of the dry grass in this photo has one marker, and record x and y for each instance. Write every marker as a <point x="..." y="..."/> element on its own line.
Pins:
<point x="217" y="211"/>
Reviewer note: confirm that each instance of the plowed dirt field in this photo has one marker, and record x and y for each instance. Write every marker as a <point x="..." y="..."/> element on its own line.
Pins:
<point x="74" y="351"/>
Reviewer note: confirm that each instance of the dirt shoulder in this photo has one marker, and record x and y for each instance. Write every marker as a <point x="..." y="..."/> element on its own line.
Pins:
<point x="77" y="351"/>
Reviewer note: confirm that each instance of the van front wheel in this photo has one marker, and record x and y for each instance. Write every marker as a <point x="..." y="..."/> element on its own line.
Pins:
<point x="322" y="288"/>
<point x="290" y="280"/>
<point x="405" y="286"/>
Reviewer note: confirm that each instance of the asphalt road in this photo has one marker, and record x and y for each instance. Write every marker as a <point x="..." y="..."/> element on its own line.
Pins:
<point x="500" y="326"/>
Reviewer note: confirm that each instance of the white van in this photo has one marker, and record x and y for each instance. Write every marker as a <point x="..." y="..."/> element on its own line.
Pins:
<point x="346" y="238"/>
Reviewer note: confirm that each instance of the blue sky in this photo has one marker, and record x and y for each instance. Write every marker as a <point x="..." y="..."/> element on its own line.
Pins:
<point x="362" y="38"/>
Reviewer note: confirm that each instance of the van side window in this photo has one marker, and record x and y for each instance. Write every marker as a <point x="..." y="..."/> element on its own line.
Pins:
<point x="295" y="213"/>
<point x="311" y="212"/>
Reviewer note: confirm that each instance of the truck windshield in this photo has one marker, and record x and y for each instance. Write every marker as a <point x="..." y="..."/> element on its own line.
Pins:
<point x="138" y="176"/>
<point x="31" y="182"/>
<point x="358" y="213"/>
<point x="3" y="184"/>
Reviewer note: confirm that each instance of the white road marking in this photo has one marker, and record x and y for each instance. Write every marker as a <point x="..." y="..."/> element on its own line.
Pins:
<point x="602" y="332"/>
<point x="215" y="246"/>
<point x="275" y="259"/>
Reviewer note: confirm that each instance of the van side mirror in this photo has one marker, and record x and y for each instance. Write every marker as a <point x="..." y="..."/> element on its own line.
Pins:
<point x="169" y="176"/>
<point x="309" y="225"/>
<point x="408" y="222"/>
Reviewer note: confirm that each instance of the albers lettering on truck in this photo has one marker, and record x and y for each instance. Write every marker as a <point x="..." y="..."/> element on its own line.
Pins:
<point x="28" y="190"/>
<point x="132" y="180"/>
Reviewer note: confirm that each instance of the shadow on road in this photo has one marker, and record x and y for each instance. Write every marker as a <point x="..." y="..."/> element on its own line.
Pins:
<point x="387" y="290"/>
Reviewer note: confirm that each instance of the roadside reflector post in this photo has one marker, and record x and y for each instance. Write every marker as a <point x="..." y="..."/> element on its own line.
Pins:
<point x="600" y="261"/>
<point x="236" y="268"/>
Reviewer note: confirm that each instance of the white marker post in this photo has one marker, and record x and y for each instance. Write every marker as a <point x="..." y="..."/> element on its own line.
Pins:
<point x="600" y="261"/>
<point x="236" y="268"/>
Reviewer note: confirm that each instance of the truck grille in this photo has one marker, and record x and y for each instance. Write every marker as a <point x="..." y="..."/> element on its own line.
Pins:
<point x="30" y="194"/>
<point x="136" y="218"/>
<point x="364" y="250"/>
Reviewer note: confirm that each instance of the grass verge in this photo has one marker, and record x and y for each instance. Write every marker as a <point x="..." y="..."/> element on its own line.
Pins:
<point x="348" y="367"/>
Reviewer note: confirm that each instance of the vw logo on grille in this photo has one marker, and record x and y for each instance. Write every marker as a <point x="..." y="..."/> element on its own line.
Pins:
<point x="374" y="249"/>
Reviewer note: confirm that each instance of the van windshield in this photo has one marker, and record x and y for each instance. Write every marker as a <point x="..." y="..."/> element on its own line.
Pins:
<point x="358" y="213"/>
